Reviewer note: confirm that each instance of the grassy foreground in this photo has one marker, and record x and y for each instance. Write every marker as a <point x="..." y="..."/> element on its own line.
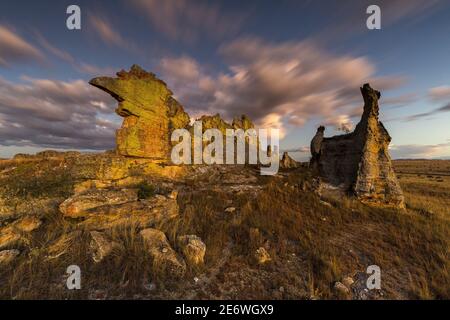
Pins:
<point x="313" y="242"/>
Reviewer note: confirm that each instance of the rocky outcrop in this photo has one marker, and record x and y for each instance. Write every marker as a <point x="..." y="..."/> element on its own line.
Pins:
<point x="359" y="161"/>
<point x="80" y="205"/>
<point x="287" y="162"/>
<point x="149" y="110"/>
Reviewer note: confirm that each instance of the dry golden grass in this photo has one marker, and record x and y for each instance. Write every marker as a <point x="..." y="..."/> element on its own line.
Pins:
<point x="312" y="244"/>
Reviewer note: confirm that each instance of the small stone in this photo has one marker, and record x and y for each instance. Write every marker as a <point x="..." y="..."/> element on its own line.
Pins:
<point x="262" y="256"/>
<point x="348" y="281"/>
<point x="173" y="194"/>
<point x="193" y="249"/>
<point x="101" y="246"/>
<point x="341" y="288"/>
<point x="149" y="286"/>
<point x="165" y="264"/>
<point x="230" y="209"/>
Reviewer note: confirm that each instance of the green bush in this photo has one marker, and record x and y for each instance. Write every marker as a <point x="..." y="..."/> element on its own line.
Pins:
<point x="146" y="190"/>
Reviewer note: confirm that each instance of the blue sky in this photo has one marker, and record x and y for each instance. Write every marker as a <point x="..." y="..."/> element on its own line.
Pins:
<point x="287" y="64"/>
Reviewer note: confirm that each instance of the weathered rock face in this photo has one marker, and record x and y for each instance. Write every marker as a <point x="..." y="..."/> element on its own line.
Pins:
<point x="150" y="112"/>
<point x="287" y="162"/>
<point x="360" y="161"/>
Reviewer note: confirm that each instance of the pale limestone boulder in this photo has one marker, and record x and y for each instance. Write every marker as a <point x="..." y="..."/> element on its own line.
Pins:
<point x="193" y="249"/>
<point x="165" y="260"/>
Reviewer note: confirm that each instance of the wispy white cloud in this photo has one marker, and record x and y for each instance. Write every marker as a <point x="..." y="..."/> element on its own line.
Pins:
<point x="420" y="151"/>
<point x="15" y="49"/>
<point x="276" y="83"/>
<point x="56" y="114"/>
<point x="65" y="56"/>
<point x="187" y="20"/>
<point x="441" y="93"/>
<point x="105" y="30"/>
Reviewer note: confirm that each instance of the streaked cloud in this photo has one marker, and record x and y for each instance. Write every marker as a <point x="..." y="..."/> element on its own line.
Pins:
<point x="441" y="93"/>
<point x="104" y="29"/>
<point x="106" y="32"/>
<point x="188" y="20"/>
<point x="55" y="114"/>
<point x="445" y="108"/>
<point x="348" y="18"/>
<point x="281" y="84"/>
<point x="79" y="66"/>
<point x="419" y="151"/>
<point x="15" y="49"/>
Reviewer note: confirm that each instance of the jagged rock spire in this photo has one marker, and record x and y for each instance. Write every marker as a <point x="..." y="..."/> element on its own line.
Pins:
<point x="359" y="161"/>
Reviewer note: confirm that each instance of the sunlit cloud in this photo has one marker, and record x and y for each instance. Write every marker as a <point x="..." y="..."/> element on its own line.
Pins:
<point x="292" y="82"/>
<point x="15" y="49"/>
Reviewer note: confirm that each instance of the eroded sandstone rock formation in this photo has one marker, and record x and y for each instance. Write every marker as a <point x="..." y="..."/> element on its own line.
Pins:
<point x="150" y="112"/>
<point x="359" y="161"/>
<point x="287" y="162"/>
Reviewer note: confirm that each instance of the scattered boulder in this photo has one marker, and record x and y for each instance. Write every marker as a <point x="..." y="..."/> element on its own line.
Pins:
<point x="359" y="161"/>
<point x="193" y="249"/>
<point x="7" y="256"/>
<point x="80" y="204"/>
<point x="101" y="246"/>
<point x="164" y="258"/>
<point x="262" y="256"/>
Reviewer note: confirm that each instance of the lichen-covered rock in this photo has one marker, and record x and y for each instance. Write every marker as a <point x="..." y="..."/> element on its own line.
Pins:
<point x="143" y="213"/>
<point x="149" y="110"/>
<point x="359" y="161"/>
<point x="165" y="260"/>
<point x="193" y="249"/>
<point x="80" y="204"/>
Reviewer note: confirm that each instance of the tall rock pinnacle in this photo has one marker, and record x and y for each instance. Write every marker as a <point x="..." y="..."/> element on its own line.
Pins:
<point x="359" y="161"/>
